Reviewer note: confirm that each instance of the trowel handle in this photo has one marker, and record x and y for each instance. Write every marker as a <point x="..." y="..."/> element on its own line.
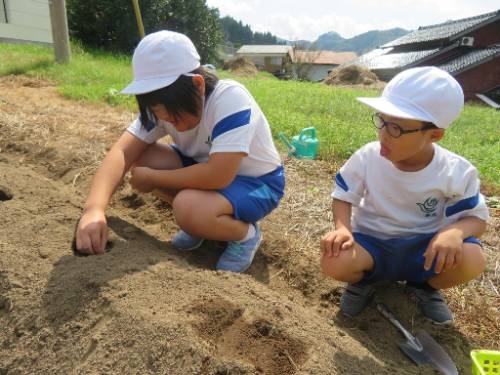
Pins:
<point x="384" y="310"/>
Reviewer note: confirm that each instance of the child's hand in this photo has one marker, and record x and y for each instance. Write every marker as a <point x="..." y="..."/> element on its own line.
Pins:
<point x="335" y="241"/>
<point x="141" y="179"/>
<point x="92" y="232"/>
<point x="446" y="248"/>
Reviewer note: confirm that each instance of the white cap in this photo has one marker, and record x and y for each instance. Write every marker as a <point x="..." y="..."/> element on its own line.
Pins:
<point x="427" y="94"/>
<point x="159" y="59"/>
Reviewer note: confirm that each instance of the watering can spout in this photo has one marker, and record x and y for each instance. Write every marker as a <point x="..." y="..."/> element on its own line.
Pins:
<point x="291" y="149"/>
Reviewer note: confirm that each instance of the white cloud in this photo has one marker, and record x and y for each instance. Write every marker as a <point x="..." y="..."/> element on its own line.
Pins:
<point x="309" y="19"/>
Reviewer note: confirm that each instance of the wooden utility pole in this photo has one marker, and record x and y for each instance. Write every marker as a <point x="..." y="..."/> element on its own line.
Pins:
<point x="138" y="17"/>
<point x="60" y="34"/>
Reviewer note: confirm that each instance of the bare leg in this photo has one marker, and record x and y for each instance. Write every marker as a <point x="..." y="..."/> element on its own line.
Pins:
<point x="207" y="214"/>
<point x="349" y="266"/>
<point x="160" y="156"/>
<point x="473" y="263"/>
<point x="201" y="213"/>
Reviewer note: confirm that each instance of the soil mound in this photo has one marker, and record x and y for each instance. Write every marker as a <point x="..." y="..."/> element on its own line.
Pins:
<point x="240" y="65"/>
<point x="353" y="75"/>
<point x="146" y="308"/>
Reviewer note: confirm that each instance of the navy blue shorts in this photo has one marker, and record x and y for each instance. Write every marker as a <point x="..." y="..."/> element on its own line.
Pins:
<point x="252" y="198"/>
<point x="399" y="259"/>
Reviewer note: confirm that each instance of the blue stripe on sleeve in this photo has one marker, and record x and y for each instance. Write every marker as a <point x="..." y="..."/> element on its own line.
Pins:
<point x="231" y="122"/>
<point x="463" y="205"/>
<point x="340" y="182"/>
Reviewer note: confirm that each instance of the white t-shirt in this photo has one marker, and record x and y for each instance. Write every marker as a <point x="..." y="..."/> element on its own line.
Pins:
<point x="231" y="122"/>
<point x="390" y="203"/>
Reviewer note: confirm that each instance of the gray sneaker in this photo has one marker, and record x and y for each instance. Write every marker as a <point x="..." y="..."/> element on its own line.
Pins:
<point x="432" y="304"/>
<point x="355" y="298"/>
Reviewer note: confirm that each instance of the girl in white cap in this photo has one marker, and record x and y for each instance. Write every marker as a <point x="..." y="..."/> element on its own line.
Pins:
<point x="406" y="209"/>
<point x="221" y="174"/>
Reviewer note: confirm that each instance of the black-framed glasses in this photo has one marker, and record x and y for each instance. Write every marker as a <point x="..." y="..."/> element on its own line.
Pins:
<point x="394" y="129"/>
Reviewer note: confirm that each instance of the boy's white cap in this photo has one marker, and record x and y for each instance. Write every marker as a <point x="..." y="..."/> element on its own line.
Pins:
<point x="159" y="59"/>
<point x="426" y="94"/>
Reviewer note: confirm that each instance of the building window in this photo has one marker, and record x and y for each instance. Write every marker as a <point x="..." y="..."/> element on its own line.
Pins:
<point x="3" y="11"/>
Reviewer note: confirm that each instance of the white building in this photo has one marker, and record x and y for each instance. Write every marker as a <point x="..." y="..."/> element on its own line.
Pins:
<point x="25" y="21"/>
<point x="315" y="65"/>
<point x="271" y="58"/>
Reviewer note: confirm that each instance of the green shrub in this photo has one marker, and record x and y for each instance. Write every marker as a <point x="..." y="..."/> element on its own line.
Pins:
<point x="111" y="24"/>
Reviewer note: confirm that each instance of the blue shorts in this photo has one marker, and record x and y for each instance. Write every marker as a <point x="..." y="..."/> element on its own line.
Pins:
<point x="399" y="259"/>
<point x="252" y="198"/>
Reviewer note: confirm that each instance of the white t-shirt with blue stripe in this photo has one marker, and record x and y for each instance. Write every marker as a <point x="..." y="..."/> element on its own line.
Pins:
<point x="231" y="122"/>
<point x="390" y="203"/>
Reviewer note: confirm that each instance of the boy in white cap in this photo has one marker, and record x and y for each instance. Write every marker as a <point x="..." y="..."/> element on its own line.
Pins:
<point x="406" y="209"/>
<point x="221" y="174"/>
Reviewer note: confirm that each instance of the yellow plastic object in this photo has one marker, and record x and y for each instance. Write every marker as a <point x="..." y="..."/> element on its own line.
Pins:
<point x="485" y="362"/>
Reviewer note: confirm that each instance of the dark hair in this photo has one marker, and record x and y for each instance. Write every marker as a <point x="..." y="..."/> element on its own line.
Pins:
<point x="429" y="125"/>
<point x="180" y="96"/>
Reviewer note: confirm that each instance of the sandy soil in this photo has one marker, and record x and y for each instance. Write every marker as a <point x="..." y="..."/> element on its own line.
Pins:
<point x="144" y="308"/>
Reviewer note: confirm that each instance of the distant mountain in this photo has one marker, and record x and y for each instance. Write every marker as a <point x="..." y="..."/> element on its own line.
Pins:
<point x="360" y="43"/>
<point x="238" y="33"/>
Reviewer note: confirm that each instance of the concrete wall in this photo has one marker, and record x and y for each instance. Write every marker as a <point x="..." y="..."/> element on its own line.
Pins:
<point x="25" y="21"/>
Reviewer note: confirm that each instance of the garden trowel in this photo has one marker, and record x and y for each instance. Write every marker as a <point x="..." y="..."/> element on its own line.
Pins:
<point x="421" y="348"/>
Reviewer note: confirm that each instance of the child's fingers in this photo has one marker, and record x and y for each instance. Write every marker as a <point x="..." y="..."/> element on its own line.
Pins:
<point x="442" y="261"/>
<point x="104" y="240"/>
<point x="95" y="239"/>
<point x="325" y="245"/>
<point x="429" y="255"/>
<point x="347" y="244"/>
<point x="450" y="261"/>
<point x="328" y="244"/>
<point x="83" y="244"/>
<point x="338" y="245"/>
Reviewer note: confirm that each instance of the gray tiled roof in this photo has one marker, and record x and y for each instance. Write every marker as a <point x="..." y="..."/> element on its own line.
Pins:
<point x="442" y="30"/>
<point x="470" y="59"/>
<point x="380" y="59"/>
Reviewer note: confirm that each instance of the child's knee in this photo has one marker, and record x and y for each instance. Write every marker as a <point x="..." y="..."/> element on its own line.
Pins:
<point x="473" y="260"/>
<point x="340" y="268"/>
<point x="183" y="208"/>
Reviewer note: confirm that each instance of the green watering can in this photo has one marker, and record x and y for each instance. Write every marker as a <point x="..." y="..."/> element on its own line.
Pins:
<point x="304" y="146"/>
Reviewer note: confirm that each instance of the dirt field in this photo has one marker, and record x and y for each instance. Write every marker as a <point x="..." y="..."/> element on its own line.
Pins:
<point x="144" y="308"/>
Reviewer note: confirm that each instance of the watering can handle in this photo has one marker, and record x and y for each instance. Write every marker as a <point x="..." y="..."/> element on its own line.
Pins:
<point x="310" y="129"/>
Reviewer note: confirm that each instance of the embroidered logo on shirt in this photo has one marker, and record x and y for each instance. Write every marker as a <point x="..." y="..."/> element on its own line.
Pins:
<point x="429" y="206"/>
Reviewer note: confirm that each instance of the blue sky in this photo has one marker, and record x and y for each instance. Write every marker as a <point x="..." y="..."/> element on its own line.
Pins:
<point x="307" y="19"/>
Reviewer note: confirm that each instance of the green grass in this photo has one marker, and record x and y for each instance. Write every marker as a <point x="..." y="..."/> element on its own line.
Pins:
<point x="342" y="123"/>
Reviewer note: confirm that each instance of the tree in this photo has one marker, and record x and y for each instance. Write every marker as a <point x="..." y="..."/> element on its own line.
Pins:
<point x="191" y="17"/>
<point x="237" y="33"/>
<point x="107" y="24"/>
<point x="110" y="24"/>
